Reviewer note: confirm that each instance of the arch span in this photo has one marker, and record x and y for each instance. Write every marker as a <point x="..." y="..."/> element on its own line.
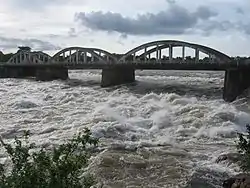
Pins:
<point x="162" y="44"/>
<point x="43" y="57"/>
<point x="31" y="57"/>
<point x="95" y="52"/>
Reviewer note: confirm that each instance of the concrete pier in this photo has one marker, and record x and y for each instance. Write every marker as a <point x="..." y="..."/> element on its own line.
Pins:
<point x="236" y="81"/>
<point x="50" y="73"/>
<point x="117" y="76"/>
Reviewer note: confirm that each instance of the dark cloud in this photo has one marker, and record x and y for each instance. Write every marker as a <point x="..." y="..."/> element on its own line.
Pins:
<point x="120" y="42"/>
<point x="52" y="36"/>
<point x="174" y="20"/>
<point x="171" y="1"/>
<point x="35" y="44"/>
<point x="23" y="30"/>
<point x="244" y="27"/>
<point x="123" y="36"/>
<point x="239" y="10"/>
<point x="212" y="25"/>
<point x="72" y="32"/>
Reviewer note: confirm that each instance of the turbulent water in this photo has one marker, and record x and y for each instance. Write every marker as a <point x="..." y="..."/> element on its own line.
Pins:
<point x="165" y="130"/>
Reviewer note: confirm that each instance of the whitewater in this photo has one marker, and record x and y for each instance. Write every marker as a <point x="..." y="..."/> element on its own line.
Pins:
<point x="165" y="130"/>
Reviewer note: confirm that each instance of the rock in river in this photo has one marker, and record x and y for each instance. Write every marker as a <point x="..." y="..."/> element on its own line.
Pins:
<point x="238" y="181"/>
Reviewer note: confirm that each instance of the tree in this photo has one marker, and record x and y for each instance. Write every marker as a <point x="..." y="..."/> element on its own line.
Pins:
<point x="5" y="57"/>
<point x="60" y="167"/>
<point x="243" y="145"/>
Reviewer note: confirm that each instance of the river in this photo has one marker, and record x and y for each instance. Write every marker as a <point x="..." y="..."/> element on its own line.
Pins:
<point x="165" y="130"/>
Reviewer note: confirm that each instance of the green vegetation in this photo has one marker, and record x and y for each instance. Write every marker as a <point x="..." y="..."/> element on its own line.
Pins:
<point x="243" y="146"/>
<point x="60" y="167"/>
<point x="5" y="57"/>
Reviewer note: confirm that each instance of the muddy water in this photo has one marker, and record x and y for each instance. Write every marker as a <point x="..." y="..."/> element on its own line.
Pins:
<point x="165" y="130"/>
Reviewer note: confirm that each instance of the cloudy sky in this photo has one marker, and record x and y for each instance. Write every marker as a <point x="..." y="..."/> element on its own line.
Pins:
<point x="119" y="25"/>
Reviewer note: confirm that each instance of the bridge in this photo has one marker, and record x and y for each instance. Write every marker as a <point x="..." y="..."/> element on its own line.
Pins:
<point x="120" y="69"/>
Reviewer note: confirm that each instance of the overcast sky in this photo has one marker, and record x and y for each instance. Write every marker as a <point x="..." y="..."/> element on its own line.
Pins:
<point x="119" y="25"/>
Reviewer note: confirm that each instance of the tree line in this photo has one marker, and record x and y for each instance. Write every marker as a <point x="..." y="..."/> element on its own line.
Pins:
<point x="5" y="57"/>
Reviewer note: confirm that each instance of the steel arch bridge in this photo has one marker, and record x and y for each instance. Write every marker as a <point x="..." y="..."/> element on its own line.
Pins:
<point x="139" y="55"/>
<point x="120" y="68"/>
<point x="27" y="57"/>
<point x="81" y="55"/>
<point x="151" y="53"/>
<point x="146" y="50"/>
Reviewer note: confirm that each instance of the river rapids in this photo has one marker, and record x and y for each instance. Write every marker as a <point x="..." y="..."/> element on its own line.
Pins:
<point x="165" y="130"/>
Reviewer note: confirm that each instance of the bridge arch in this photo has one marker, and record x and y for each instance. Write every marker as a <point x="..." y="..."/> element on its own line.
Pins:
<point x="164" y="44"/>
<point x="30" y="57"/>
<point x="43" y="57"/>
<point x="78" y="52"/>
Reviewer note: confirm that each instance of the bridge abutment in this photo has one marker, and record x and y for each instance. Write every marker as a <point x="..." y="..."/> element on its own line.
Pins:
<point x="117" y="76"/>
<point x="17" y="72"/>
<point x="3" y="72"/>
<point x="41" y="73"/>
<point x="236" y="81"/>
<point x="49" y="73"/>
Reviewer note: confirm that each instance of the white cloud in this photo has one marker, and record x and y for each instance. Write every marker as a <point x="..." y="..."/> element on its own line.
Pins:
<point x="174" y="20"/>
<point x="53" y="22"/>
<point x="12" y="43"/>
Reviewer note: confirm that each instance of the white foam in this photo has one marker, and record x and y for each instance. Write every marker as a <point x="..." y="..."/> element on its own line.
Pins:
<point x="122" y="116"/>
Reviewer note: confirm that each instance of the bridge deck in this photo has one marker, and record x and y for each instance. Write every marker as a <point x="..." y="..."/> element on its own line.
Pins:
<point x="148" y="65"/>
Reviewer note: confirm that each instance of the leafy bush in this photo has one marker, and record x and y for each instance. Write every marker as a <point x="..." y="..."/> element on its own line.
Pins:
<point x="243" y="146"/>
<point x="61" y="167"/>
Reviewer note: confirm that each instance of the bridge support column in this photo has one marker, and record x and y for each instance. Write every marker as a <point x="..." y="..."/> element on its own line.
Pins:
<point x="117" y="76"/>
<point x="49" y="73"/>
<point x="236" y="81"/>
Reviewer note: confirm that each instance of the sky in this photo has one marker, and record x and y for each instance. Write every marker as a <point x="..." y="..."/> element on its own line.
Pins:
<point x="120" y="25"/>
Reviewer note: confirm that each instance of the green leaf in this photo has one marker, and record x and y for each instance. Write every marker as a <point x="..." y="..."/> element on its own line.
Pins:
<point x="60" y="167"/>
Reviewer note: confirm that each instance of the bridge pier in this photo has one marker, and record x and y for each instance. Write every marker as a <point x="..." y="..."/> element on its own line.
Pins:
<point x="236" y="81"/>
<point x="51" y="73"/>
<point x="117" y="76"/>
